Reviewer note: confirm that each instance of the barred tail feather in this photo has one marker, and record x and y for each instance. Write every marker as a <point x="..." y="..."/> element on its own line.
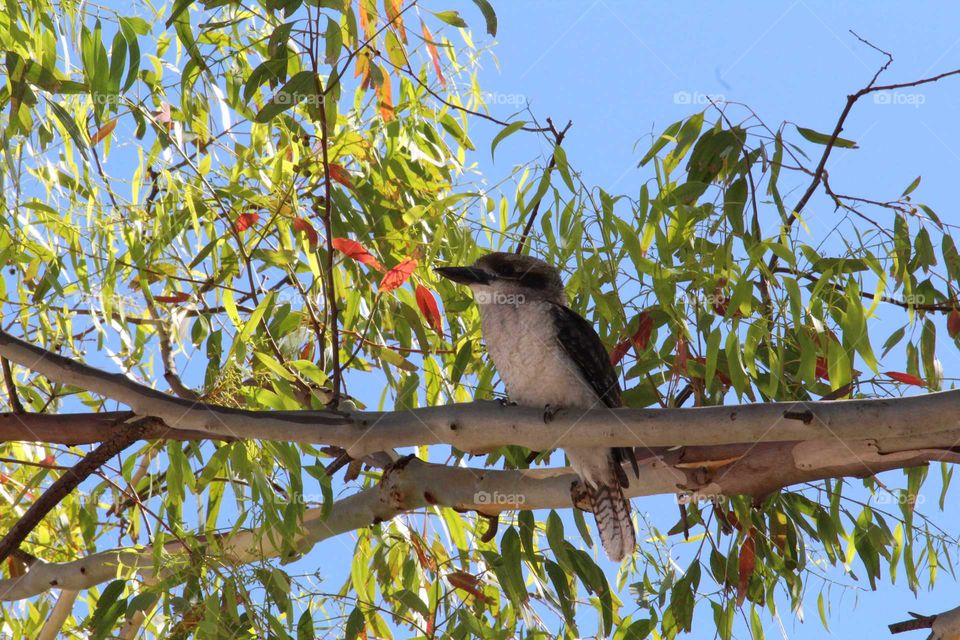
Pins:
<point x="612" y="513"/>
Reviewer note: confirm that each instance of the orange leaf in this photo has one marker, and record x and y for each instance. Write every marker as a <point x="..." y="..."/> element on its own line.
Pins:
<point x="680" y="360"/>
<point x="429" y="309"/>
<point x="103" y="132"/>
<point x="304" y="226"/>
<point x="434" y="55"/>
<point x="365" y="23"/>
<point x="953" y="323"/>
<point x="246" y="220"/>
<point x="355" y="250"/>
<point x="341" y="175"/>
<point x="393" y="15"/>
<point x="398" y="275"/>
<point x="385" y="98"/>
<point x="179" y="296"/>
<point x="748" y="562"/>
<point x="906" y="378"/>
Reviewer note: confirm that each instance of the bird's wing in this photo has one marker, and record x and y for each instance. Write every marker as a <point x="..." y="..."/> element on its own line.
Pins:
<point x="581" y="343"/>
<point x="583" y="346"/>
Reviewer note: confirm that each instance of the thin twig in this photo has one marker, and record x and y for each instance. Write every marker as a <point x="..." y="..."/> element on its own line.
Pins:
<point x="12" y="398"/>
<point x="558" y="137"/>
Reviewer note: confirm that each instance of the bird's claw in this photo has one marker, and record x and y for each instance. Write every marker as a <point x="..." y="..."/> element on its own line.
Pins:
<point x="505" y="402"/>
<point x="549" y="412"/>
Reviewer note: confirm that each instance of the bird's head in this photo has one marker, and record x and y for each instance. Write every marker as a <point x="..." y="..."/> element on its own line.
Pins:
<point x="508" y="278"/>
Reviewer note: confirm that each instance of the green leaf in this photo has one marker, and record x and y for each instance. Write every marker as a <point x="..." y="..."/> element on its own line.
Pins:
<point x="355" y="624"/>
<point x="734" y="200"/>
<point x="822" y="138"/>
<point x="913" y="185"/>
<point x="255" y="317"/>
<point x="178" y="7"/>
<point x="668" y="135"/>
<point x="450" y="17"/>
<point x="305" y="630"/>
<point x="510" y="129"/>
<point x="301" y="86"/>
<point x="488" y="15"/>
<point x="333" y="42"/>
<point x="71" y="126"/>
<point x="109" y="609"/>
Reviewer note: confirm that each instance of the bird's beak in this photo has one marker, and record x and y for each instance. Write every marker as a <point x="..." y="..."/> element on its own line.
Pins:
<point x="465" y="275"/>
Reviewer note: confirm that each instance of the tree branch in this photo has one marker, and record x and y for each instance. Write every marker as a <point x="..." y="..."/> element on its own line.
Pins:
<point x="558" y="136"/>
<point x="67" y="482"/>
<point x="894" y="424"/>
<point x="944" y="626"/>
<point x="746" y="469"/>
<point x="73" y="429"/>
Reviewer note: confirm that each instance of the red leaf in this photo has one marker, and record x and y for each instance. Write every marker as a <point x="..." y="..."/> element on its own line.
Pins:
<point x="748" y="562"/>
<point x="355" y="250"/>
<point x="179" y="296"/>
<point x="619" y="351"/>
<point x="642" y="337"/>
<point x="467" y="582"/>
<point x="246" y="220"/>
<point x="398" y="275"/>
<point x="341" y="175"/>
<point x="719" y="375"/>
<point x="953" y="323"/>
<point x="429" y="309"/>
<point x="306" y="353"/>
<point x="103" y="132"/>
<point x="432" y="48"/>
<point x="906" y="378"/>
<point x="304" y="226"/>
<point x="823" y="372"/>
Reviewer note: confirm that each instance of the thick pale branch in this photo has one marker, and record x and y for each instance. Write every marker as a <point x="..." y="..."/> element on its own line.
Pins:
<point x="81" y="428"/>
<point x="943" y="626"/>
<point x="746" y="470"/>
<point x="482" y="425"/>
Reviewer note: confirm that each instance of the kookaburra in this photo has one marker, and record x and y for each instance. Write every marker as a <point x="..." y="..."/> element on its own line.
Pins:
<point x="550" y="357"/>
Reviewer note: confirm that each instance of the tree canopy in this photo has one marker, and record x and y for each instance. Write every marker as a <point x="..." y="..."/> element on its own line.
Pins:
<point x="222" y="342"/>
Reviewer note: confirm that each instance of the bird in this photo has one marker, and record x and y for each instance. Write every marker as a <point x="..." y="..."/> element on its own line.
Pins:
<point x="549" y="356"/>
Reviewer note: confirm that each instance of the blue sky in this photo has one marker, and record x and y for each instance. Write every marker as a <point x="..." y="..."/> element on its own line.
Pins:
<point x="622" y="71"/>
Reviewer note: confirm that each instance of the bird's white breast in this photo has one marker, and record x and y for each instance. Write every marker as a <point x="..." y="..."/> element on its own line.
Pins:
<point x="522" y="341"/>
